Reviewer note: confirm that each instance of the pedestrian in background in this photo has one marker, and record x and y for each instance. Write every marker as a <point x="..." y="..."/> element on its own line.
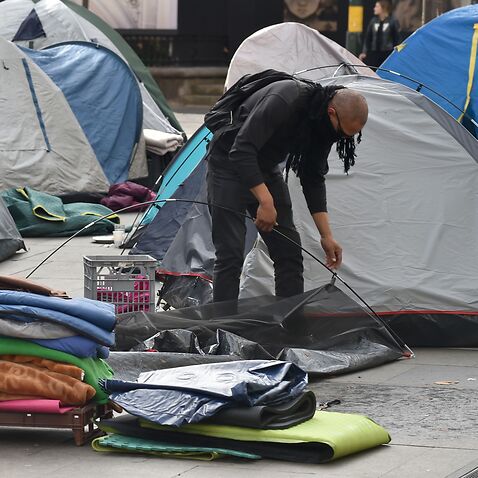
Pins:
<point x="383" y="34"/>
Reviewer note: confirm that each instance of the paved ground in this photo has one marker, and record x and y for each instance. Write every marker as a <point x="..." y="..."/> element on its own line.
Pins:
<point x="434" y="427"/>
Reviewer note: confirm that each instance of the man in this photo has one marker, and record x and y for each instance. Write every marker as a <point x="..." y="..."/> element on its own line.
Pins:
<point x="292" y="119"/>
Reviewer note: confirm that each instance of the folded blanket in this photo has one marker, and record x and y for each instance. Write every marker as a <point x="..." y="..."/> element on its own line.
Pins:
<point x="160" y="142"/>
<point x="76" y="345"/>
<point x="34" y="406"/>
<point x="95" y="369"/>
<point x="33" y="330"/>
<point x="128" y="194"/>
<point x="42" y="363"/>
<point x="95" y="312"/>
<point x="32" y="381"/>
<point x="39" y="214"/>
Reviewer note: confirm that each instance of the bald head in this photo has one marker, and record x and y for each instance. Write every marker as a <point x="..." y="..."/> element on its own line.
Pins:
<point x="352" y="109"/>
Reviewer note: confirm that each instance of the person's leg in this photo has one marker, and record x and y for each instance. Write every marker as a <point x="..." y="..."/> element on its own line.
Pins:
<point x="228" y="231"/>
<point x="287" y="257"/>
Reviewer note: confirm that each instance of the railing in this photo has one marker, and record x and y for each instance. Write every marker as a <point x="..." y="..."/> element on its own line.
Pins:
<point x="168" y="48"/>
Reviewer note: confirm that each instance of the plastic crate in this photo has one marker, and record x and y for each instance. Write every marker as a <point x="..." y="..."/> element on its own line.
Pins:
<point x="126" y="281"/>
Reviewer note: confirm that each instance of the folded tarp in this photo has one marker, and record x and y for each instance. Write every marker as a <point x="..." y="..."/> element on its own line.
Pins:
<point x="190" y="394"/>
<point x="95" y="369"/>
<point x="37" y="214"/>
<point x="33" y="330"/>
<point x="125" y="444"/>
<point x="39" y="405"/>
<point x="30" y="380"/>
<point x="325" y="437"/>
<point x="97" y="313"/>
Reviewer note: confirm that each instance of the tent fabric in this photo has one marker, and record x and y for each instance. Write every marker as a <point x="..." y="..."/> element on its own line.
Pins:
<point x="255" y="54"/>
<point x="405" y="217"/>
<point x="424" y="57"/>
<point x="30" y="29"/>
<point x="65" y="21"/>
<point x="10" y="239"/>
<point x="26" y="158"/>
<point x="323" y="331"/>
<point x="104" y="96"/>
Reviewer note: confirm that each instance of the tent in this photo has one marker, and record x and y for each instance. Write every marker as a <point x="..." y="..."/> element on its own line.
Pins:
<point x="439" y="59"/>
<point x="405" y="216"/>
<point x="66" y="127"/>
<point x="10" y="239"/>
<point x="37" y="24"/>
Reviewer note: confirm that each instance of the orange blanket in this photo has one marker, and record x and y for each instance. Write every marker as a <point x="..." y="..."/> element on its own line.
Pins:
<point x="41" y="363"/>
<point x="27" y="380"/>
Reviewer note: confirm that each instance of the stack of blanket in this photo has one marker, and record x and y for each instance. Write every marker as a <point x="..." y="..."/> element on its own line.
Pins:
<point x="52" y="351"/>
<point x="250" y="409"/>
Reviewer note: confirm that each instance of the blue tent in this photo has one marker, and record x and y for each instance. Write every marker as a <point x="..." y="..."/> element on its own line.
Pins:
<point x="441" y="58"/>
<point x="104" y="96"/>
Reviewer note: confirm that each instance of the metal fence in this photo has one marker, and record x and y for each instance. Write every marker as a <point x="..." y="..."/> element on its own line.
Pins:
<point x="167" y="48"/>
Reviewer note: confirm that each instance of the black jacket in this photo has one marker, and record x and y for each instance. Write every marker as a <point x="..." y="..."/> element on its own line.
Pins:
<point x="390" y="36"/>
<point x="260" y="135"/>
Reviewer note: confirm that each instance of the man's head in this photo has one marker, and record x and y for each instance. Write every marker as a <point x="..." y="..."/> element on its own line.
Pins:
<point x="348" y="112"/>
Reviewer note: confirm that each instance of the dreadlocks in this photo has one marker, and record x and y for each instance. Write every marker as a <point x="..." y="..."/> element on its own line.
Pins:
<point x="316" y="135"/>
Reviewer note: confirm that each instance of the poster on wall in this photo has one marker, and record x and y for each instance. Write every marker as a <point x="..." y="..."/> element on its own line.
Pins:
<point x="322" y="15"/>
<point x="136" y="14"/>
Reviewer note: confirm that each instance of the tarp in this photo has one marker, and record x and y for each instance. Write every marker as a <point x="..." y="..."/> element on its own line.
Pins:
<point x="323" y="331"/>
<point x="439" y="60"/>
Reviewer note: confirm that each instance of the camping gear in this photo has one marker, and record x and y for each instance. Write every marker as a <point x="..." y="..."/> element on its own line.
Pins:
<point x="40" y="214"/>
<point x="54" y="131"/>
<point x="38" y="24"/>
<point x="190" y="394"/>
<point x="327" y="436"/>
<point x="322" y="331"/>
<point x="439" y="60"/>
<point x="125" y="444"/>
<point x="10" y="239"/>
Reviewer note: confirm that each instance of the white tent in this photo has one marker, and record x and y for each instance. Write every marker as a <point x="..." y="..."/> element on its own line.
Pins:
<point x="292" y="47"/>
<point x="405" y="214"/>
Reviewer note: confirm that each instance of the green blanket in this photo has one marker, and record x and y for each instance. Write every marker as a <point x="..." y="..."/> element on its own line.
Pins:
<point x="38" y="214"/>
<point x="94" y="368"/>
<point x="344" y="433"/>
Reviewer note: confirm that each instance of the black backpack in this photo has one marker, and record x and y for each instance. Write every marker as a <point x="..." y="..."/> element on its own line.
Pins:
<point x="221" y="114"/>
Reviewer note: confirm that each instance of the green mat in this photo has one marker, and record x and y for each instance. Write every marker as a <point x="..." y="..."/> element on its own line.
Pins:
<point x="344" y="433"/>
<point x="124" y="444"/>
<point x="94" y="368"/>
<point x="40" y="214"/>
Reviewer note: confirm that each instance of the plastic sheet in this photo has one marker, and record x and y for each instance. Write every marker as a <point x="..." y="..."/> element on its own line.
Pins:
<point x="322" y="331"/>
<point x="190" y="394"/>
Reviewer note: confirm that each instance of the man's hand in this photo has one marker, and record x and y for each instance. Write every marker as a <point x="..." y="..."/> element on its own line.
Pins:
<point x="266" y="217"/>
<point x="333" y="252"/>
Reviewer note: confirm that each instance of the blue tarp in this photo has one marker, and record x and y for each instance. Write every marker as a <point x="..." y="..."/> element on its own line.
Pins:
<point x="104" y="96"/>
<point x="441" y="56"/>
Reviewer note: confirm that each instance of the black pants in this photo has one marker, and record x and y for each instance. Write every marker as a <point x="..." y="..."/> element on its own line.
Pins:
<point x="229" y="232"/>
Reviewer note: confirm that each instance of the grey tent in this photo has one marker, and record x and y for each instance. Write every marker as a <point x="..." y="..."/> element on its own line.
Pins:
<point x="10" y="239"/>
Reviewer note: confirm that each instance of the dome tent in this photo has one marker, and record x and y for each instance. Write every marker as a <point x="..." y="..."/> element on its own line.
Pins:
<point x="439" y="59"/>
<point x="10" y="239"/>
<point x="37" y="24"/>
<point x="62" y="131"/>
